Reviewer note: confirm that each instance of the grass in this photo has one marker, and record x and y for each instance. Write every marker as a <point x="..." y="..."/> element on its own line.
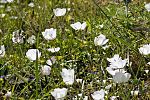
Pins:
<point x="125" y="33"/>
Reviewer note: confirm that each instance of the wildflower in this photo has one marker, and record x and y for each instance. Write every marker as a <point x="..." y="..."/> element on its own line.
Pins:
<point x="59" y="11"/>
<point x="2" y="15"/>
<point x="54" y="49"/>
<point x="68" y="76"/>
<point x="100" y="40"/>
<point x="98" y="95"/>
<point x="135" y="93"/>
<point x="13" y="17"/>
<point x="117" y="62"/>
<point x="79" y="97"/>
<point x="49" y="34"/>
<point x="114" y="97"/>
<point x="108" y="86"/>
<point x="10" y="1"/>
<point x="59" y="94"/>
<point x="148" y="63"/>
<point x="46" y="70"/>
<point x="146" y="71"/>
<point x="2" y="51"/>
<point x="8" y="94"/>
<point x="101" y="26"/>
<point x="6" y="1"/>
<point x="120" y="77"/>
<point x="145" y="49"/>
<point x="17" y="36"/>
<point x="68" y="9"/>
<point x="32" y="53"/>
<point x="31" y="4"/>
<point x="79" y="80"/>
<point x="78" y="26"/>
<point x="85" y="98"/>
<point x="51" y="61"/>
<point x="147" y="6"/>
<point x="104" y="81"/>
<point x="31" y="40"/>
<point x="105" y="47"/>
<point x="3" y="1"/>
<point x="116" y="69"/>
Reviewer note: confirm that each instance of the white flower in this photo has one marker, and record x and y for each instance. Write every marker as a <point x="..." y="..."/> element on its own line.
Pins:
<point x="98" y="95"/>
<point x="2" y="15"/>
<point x="79" y="97"/>
<point x="54" y="49"/>
<point x="13" y="17"/>
<point x="120" y="77"/>
<point x="85" y="98"/>
<point x="134" y="93"/>
<point x="101" y="26"/>
<point x="5" y="1"/>
<point x="117" y="62"/>
<point x="8" y="94"/>
<point x="32" y="53"/>
<point x="31" y="40"/>
<point x="10" y="1"/>
<point x="2" y="51"/>
<point x="51" y="61"/>
<point x="68" y="9"/>
<point x="108" y="86"/>
<point x="114" y="97"/>
<point x="17" y="36"/>
<point x="145" y="49"/>
<point x="147" y="6"/>
<point x="59" y="94"/>
<point x="49" y="34"/>
<point x="68" y="76"/>
<point x="105" y="47"/>
<point x="146" y="71"/>
<point x="46" y="70"/>
<point x="100" y="40"/>
<point x="59" y="11"/>
<point x="31" y="4"/>
<point x="78" y="26"/>
<point x="148" y="63"/>
<point x="79" y="80"/>
<point x="104" y="81"/>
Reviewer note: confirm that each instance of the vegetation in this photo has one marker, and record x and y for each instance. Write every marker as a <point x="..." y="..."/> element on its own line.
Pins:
<point x="127" y="31"/>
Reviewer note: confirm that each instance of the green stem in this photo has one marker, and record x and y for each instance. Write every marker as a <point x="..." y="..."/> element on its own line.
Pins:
<point x="36" y="67"/>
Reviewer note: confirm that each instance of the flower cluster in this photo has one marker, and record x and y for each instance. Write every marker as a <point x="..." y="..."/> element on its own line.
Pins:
<point x="116" y="69"/>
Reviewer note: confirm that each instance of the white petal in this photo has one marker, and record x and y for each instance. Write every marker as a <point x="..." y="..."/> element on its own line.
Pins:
<point x="53" y="49"/>
<point x="76" y="26"/>
<point x="59" y="11"/>
<point x="31" y="54"/>
<point x="49" y="34"/>
<point x="147" y="6"/>
<point x="51" y="61"/>
<point x="46" y="70"/>
<point x="110" y="70"/>
<point x="83" y="26"/>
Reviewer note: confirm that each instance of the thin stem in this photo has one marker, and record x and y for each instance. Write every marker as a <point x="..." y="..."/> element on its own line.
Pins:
<point x="36" y="67"/>
<point x="106" y="16"/>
